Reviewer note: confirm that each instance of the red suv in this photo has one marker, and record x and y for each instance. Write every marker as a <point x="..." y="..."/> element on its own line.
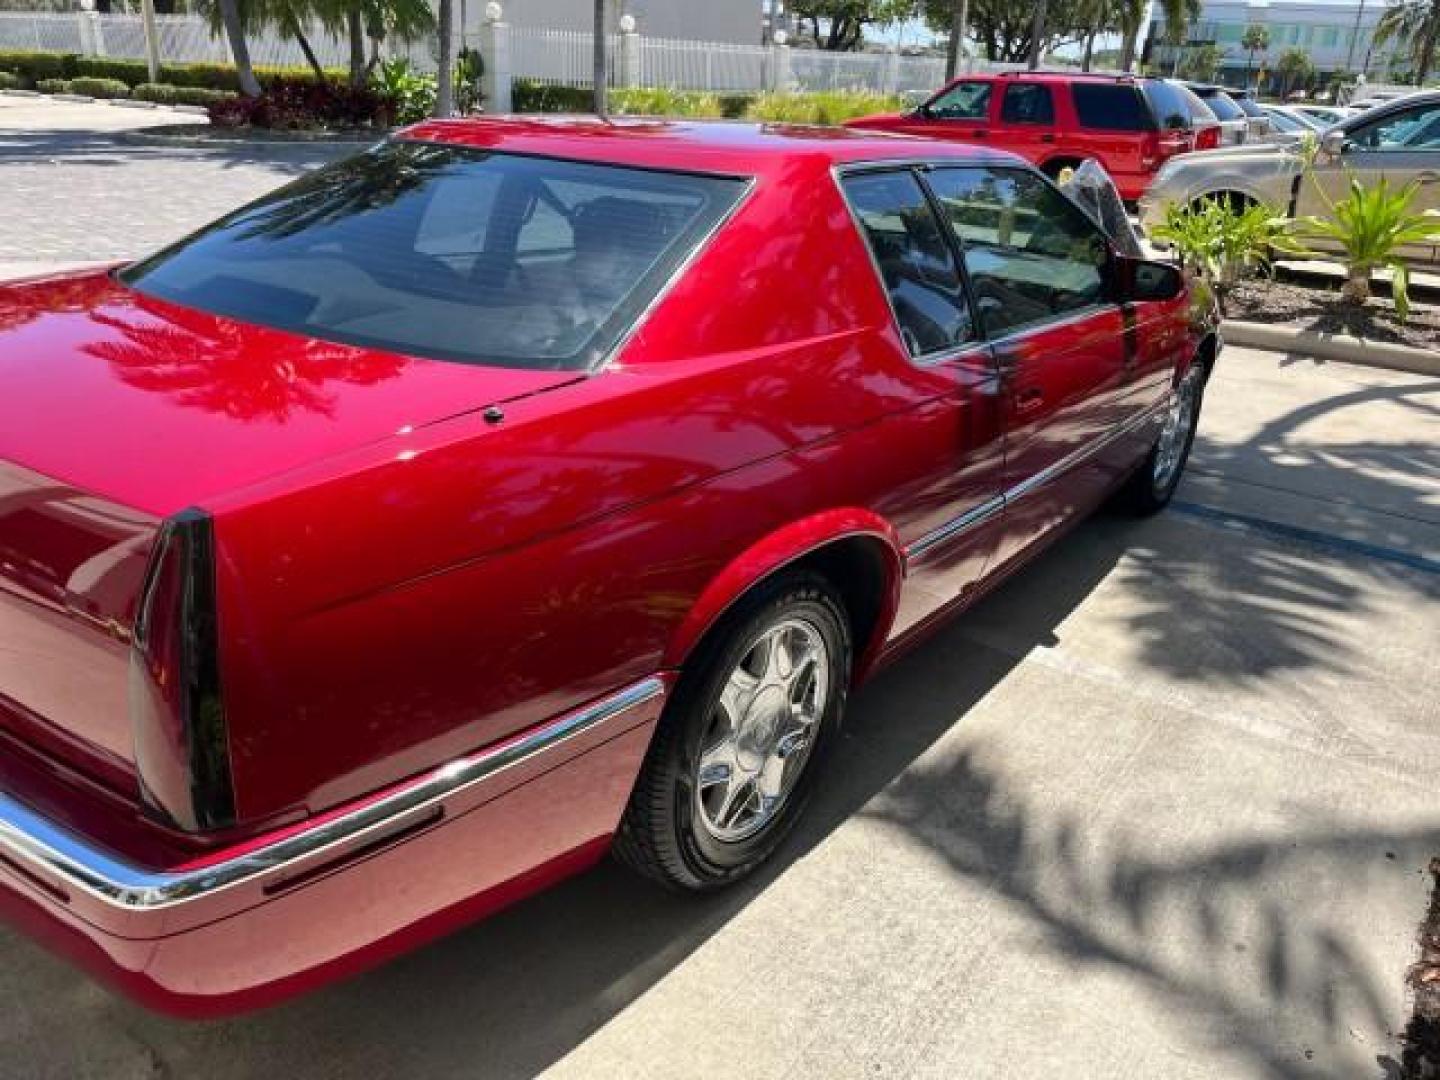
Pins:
<point x="1130" y="125"/>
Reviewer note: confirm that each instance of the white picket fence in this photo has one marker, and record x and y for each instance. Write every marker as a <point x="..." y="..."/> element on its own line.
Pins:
<point x="560" y="57"/>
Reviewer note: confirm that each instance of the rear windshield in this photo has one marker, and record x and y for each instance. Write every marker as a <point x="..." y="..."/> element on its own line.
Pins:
<point x="450" y="253"/>
<point x="1171" y="108"/>
<point x="1221" y="103"/>
<point x="1111" y="107"/>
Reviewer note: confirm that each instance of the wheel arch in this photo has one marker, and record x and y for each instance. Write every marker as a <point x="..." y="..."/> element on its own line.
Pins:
<point x="855" y="549"/>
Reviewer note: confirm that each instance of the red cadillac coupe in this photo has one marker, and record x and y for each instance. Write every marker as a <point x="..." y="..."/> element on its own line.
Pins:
<point x="514" y="492"/>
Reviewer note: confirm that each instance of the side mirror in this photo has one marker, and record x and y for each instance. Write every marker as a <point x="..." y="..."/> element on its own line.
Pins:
<point x="1332" y="142"/>
<point x="1142" y="279"/>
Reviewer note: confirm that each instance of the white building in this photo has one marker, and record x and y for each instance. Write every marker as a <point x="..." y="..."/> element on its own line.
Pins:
<point x="1337" y="35"/>
<point x="737" y="22"/>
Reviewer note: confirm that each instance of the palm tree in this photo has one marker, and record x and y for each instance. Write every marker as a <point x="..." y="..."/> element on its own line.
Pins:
<point x="601" y="73"/>
<point x="1256" y="39"/>
<point x="1178" y="15"/>
<point x="1098" y="15"/>
<point x="239" y="49"/>
<point x="445" y="61"/>
<point x="1293" y="66"/>
<point x="1416" y="23"/>
<point x="1129" y="18"/>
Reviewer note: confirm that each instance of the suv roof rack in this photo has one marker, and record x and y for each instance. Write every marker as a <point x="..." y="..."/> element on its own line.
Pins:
<point x="1118" y="77"/>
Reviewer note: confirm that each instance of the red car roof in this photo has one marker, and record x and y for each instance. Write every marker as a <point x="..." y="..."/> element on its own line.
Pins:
<point x="736" y="148"/>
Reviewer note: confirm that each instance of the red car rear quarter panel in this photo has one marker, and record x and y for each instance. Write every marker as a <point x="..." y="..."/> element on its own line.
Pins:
<point x="412" y="601"/>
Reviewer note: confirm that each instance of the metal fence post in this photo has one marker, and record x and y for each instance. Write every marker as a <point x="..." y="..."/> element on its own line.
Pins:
<point x="92" y="35"/>
<point x="495" y="83"/>
<point x="629" y="51"/>
<point x="781" y="76"/>
<point x="890" y="77"/>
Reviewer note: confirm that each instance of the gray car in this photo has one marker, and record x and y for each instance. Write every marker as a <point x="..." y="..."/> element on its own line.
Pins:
<point x="1400" y="141"/>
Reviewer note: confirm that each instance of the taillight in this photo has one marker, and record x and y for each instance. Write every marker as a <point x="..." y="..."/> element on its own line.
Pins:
<point x="1157" y="147"/>
<point x="1207" y="137"/>
<point x="182" y="753"/>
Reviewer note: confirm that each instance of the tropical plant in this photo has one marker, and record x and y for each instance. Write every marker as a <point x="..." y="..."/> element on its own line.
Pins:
<point x="1293" y="66"/>
<point x="1370" y="224"/>
<point x="1224" y="241"/>
<point x="1417" y="24"/>
<point x="1201" y="62"/>
<point x="1256" y="39"/>
<point x="412" y="93"/>
<point x="1005" y="31"/>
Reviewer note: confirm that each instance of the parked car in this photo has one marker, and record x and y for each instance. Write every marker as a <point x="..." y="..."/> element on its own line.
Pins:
<point x="1399" y="141"/>
<point x="1327" y="114"/>
<point x="1208" y="132"/>
<point x="1057" y="119"/>
<point x="393" y="546"/>
<point x="1235" y="127"/>
<point x="1255" y="114"/>
<point x="1292" y="123"/>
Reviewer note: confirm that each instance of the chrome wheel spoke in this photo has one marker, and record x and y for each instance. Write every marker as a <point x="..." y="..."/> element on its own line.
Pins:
<point x="762" y="730"/>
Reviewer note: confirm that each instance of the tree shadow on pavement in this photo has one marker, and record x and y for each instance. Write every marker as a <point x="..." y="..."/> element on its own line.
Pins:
<point x="110" y="149"/>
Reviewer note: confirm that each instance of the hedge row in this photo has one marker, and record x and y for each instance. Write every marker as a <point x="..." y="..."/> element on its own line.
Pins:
<point x="12" y="82"/>
<point x="36" y="66"/>
<point x="165" y="94"/>
<point x="831" y="107"/>
<point x="528" y="96"/>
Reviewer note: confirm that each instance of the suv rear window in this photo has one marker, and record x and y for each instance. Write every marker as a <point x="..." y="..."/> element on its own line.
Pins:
<point x="449" y="252"/>
<point x="1111" y="107"/>
<point x="1170" y="105"/>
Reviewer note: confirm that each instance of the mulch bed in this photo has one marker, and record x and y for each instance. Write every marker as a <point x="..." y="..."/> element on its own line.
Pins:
<point x="1421" y="1039"/>
<point x="1318" y="308"/>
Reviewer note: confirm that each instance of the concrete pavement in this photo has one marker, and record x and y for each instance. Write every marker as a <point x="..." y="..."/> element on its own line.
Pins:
<point x="1159" y="807"/>
<point x="74" y="192"/>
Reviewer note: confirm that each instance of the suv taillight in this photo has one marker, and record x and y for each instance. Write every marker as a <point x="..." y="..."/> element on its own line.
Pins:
<point x="182" y="751"/>
<point x="1207" y="137"/>
<point x="1161" y="145"/>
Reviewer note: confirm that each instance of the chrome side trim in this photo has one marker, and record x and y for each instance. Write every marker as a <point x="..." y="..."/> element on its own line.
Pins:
<point x="954" y="527"/>
<point x="34" y="843"/>
<point x="978" y="515"/>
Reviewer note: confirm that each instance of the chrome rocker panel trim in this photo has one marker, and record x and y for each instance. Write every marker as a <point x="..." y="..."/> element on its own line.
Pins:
<point x="34" y="843"/>
<point x="976" y="515"/>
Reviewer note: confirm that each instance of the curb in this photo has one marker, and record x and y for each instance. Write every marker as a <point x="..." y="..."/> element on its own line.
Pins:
<point x="157" y="137"/>
<point x="1338" y="347"/>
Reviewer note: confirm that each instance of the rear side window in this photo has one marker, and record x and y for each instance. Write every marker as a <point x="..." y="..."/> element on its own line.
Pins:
<point x="1031" y="253"/>
<point x="1221" y="104"/>
<point x="1027" y="103"/>
<point x="1168" y="102"/>
<point x="963" y="101"/>
<point x="1111" y="107"/>
<point x="450" y="253"/>
<point x="915" y="262"/>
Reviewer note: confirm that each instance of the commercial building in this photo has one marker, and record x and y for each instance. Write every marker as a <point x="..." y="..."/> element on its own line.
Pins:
<point x="1338" y="37"/>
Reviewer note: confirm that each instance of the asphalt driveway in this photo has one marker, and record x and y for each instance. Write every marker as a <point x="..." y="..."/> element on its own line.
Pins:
<point x="1160" y="807"/>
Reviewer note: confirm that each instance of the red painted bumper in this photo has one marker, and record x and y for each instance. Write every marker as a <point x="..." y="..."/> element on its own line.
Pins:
<point x="251" y="925"/>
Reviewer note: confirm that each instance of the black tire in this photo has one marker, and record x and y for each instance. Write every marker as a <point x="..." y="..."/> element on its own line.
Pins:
<point x="1147" y="492"/>
<point x="662" y="835"/>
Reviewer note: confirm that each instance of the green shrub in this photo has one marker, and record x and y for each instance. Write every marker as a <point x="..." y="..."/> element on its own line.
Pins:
<point x="659" y="101"/>
<point x="166" y="94"/>
<point x="34" y="65"/>
<point x="10" y="81"/>
<point x="529" y="96"/>
<point x="99" y="88"/>
<point x="830" y="107"/>
<point x="130" y="72"/>
<point x="53" y="86"/>
<point x="412" y="95"/>
<point x="733" y="106"/>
